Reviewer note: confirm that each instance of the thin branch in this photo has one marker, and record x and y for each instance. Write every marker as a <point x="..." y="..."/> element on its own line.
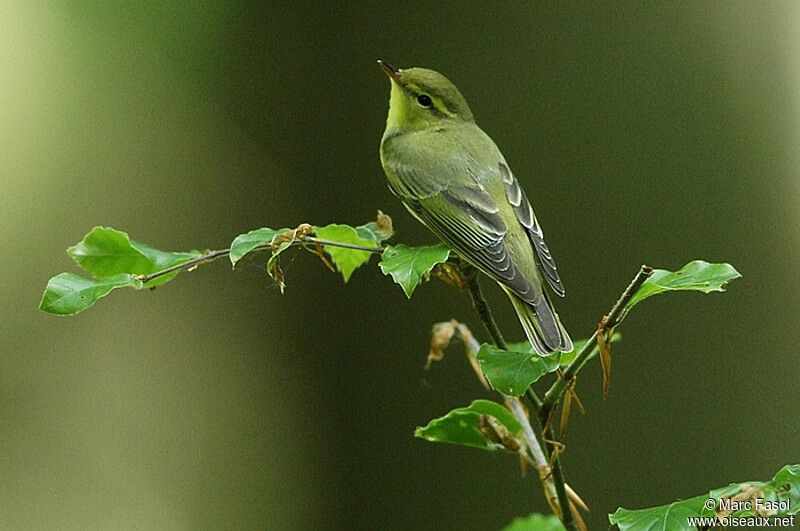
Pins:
<point x="553" y="479"/>
<point x="483" y="309"/>
<point x="614" y="318"/>
<point x="311" y="239"/>
<point x="210" y="256"/>
<point x="533" y="443"/>
<point x="472" y="347"/>
<point x="558" y="479"/>
<point x="534" y="398"/>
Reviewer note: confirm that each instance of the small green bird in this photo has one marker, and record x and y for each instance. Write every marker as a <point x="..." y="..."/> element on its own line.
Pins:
<point x="452" y="177"/>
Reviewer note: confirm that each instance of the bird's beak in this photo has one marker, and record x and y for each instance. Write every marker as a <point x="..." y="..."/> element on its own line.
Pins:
<point x="392" y="71"/>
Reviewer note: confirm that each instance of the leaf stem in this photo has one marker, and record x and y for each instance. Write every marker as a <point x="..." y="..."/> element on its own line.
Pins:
<point x="614" y="318"/>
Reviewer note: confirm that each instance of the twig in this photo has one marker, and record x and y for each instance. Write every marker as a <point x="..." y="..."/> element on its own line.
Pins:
<point x="558" y="477"/>
<point x="472" y="347"/>
<point x="614" y="318"/>
<point x="534" y="398"/>
<point x="210" y="256"/>
<point x="540" y="456"/>
<point x="483" y="309"/>
<point x="312" y="239"/>
<point x="533" y="443"/>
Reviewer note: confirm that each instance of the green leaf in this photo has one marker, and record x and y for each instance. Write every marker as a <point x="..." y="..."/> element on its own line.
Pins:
<point x="409" y="265"/>
<point x="345" y="260"/>
<point x="68" y="294"/>
<point x="511" y="372"/>
<point x="781" y="495"/>
<point x="460" y="426"/>
<point x="566" y="357"/>
<point x="788" y="480"/>
<point x="535" y="522"/>
<point x="244" y="244"/>
<point x="105" y="252"/>
<point x="778" y="497"/>
<point x="694" y="276"/>
<point x="673" y="516"/>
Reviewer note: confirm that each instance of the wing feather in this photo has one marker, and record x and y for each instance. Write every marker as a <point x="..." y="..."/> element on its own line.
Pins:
<point x="522" y="207"/>
<point x="478" y="236"/>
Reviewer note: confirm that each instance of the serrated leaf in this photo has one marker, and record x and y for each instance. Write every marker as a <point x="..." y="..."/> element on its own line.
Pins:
<point x="535" y="522"/>
<point x="460" y="426"/>
<point x="694" y="276"/>
<point x="736" y="499"/>
<point x="410" y="265"/>
<point x="245" y="243"/>
<point x="345" y="260"/>
<point x="68" y="294"/>
<point x="512" y="372"/>
<point x="105" y="252"/>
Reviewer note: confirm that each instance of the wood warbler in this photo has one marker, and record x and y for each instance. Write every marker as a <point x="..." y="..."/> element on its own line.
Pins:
<point x="452" y="177"/>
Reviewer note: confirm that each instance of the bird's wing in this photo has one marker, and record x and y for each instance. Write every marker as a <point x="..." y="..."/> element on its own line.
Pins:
<point x="448" y="194"/>
<point x="468" y="219"/>
<point x="522" y="207"/>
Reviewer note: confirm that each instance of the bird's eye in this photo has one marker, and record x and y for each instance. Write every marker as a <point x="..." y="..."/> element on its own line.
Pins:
<point x="424" y="100"/>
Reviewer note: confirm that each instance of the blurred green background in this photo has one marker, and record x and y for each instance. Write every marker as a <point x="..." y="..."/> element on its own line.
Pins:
<point x="643" y="133"/>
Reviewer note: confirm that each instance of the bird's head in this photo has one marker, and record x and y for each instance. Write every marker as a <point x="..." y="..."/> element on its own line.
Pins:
<point x="422" y="98"/>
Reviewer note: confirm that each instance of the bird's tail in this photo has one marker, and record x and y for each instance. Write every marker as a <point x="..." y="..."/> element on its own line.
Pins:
<point x="542" y="325"/>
